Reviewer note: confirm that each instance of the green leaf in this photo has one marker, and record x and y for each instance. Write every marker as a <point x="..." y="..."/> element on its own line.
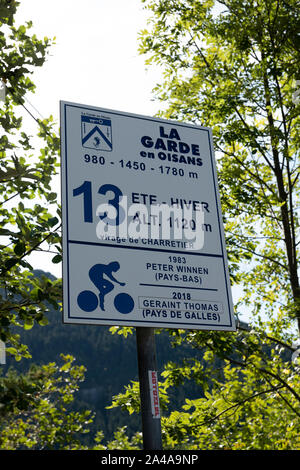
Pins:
<point x="52" y="221"/>
<point x="9" y="263"/>
<point x="43" y="321"/>
<point x="20" y="248"/>
<point x="57" y="259"/>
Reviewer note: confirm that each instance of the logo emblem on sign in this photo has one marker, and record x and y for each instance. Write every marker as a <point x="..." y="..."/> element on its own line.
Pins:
<point x="96" y="132"/>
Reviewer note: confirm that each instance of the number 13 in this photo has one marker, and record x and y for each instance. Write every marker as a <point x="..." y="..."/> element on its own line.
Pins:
<point x="86" y="190"/>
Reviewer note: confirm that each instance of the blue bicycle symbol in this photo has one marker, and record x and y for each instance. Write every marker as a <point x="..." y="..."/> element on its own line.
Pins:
<point x="98" y="274"/>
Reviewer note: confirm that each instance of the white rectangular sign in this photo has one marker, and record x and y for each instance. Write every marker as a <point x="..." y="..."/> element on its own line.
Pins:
<point x="143" y="241"/>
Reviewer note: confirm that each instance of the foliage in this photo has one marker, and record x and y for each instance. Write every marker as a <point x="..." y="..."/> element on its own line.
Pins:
<point x="110" y="362"/>
<point x="36" y="411"/>
<point x="233" y="66"/>
<point x="229" y="65"/>
<point x="27" y="223"/>
<point x="38" y="416"/>
<point x="120" y="441"/>
<point x="250" y="402"/>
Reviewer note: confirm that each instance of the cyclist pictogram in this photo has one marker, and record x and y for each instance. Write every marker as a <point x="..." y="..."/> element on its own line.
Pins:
<point x="103" y="279"/>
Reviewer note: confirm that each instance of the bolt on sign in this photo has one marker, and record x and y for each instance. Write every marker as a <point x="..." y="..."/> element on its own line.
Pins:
<point x="143" y="241"/>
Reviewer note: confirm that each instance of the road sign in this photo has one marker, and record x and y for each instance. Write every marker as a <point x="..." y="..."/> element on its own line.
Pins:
<point x="143" y="238"/>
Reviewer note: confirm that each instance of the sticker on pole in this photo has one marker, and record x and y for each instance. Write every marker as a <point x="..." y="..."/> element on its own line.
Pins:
<point x="154" y="395"/>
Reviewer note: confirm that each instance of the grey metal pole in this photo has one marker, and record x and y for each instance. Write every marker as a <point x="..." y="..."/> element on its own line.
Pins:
<point x="150" y="412"/>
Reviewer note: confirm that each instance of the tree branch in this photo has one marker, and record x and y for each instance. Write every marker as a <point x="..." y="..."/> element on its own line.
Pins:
<point x="4" y="271"/>
<point x="236" y="405"/>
